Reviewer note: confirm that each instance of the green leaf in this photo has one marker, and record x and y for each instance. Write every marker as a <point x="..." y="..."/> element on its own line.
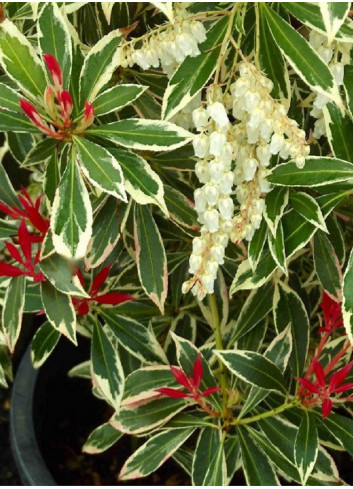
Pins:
<point x="9" y="98"/>
<point x="194" y="73"/>
<point x="52" y="176"/>
<point x="99" y="65"/>
<point x="333" y="16"/>
<point x="216" y="474"/>
<point x="59" y="310"/>
<point x="327" y="266"/>
<point x="107" y="371"/>
<point x="308" y="207"/>
<point x="317" y="171"/>
<point x="347" y="303"/>
<point x="275" y="203"/>
<point x="141" y="182"/>
<point x="289" y="308"/>
<point x="101" y="438"/>
<point x="342" y="429"/>
<point x="150" y="257"/>
<point x="19" y="60"/>
<point x="142" y="383"/>
<point x="19" y="144"/>
<point x="134" y="337"/>
<point x="257" y="243"/>
<point x="272" y="62"/>
<point x="339" y="127"/>
<point x="105" y="233"/>
<point x="100" y="167"/>
<point x="348" y="86"/>
<point x="116" y="98"/>
<point x="277" y="249"/>
<point x="12" y="121"/>
<point x="301" y="56"/>
<point x="254" y="369"/>
<point x="7" y="192"/>
<point x="143" y="417"/>
<point x="71" y="219"/>
<point x="180" y="208"/>
<point x="206" y="447"/>
<point x="7" y="229"/>
<point x="40" y="152"/>
<point x="12" y="310"/>
<point x="43" y="343"/>
<point x="62" y="276"/>
<point x="256" y="307"/>
<point x="154" y="453"/>
<point x="257" y="468"/>
<point x="306" y="447"/>
<point x="54" y="38"/>
<point x="143" y="134"/>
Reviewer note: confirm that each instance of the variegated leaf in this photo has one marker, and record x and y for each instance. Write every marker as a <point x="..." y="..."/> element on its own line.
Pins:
<point x="43" y="343"/>
<point x="327" y="265"/>
<point x="333" y="16"/>
<point x="12" y="310"/>
<point x="116" y="98"/>
<point x="101" y="438"/>
<point x="277" y="248"/>
<point x="275" y="203"/>
<point x="9" y="98"/>
<point x="306" y="446"/>
<point x="308" y="207"/>
<point x="347" y="303"/>
<point x="206" y="447"/>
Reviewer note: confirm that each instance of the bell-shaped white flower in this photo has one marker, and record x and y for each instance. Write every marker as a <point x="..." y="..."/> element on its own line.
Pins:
<point x="201" y="145"/>
<point x="200" y="200"/>
<point x="211" y="217"/>
<point x="217" y="253"/>
<point x="208" y="282"/>
<point x="249" y="168"/>
<point x="218" y="113"/>
<point x="226" y="183"/>
<point x="211" y="192"/>
<point x="217" y="141"/>
<point x="195" y="262"/>
<point x="226" y="207"/>
<point x="200" y="118"/>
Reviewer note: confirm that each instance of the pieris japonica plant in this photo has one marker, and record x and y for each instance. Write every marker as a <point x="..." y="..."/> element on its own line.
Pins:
<point x="188" y="210"/>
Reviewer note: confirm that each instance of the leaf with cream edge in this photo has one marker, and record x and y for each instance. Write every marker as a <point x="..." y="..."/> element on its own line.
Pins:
<point x="333" y="16"/>
<point x="141" y="182"/>
<point x="59" y="310"/>
<point x="54" y="38"/>
<point x="301" y="56"/>
<point x="316" y="172"/>
<point x="9" y="98"/>
<point x="71" y="218"/>
<point x="43" y="343"/>
<point x="277" y="249"/>
<point x="327" y="266"/>
<point x="257" y="244"/>
<point x="289" y="308"/>
<point x="12" y="310"/>
<point x="20" y="61"/>
<point x="107" y="371"/>
<point x="253" y="368"/>
<point x="99" y="65"/>
<point x="347" y="303"/>
<point x="308" y="207"/>
<point x="181" y="208"/>
<point x="7" y="192"/>
<point x="339" y="127"/>
<point x="275" y="203"/>
<point x="306" y="446"/>
<point x="151" y="259"/>
<point x="143" y="134"/>
<point x="101" y="438"/>
<point x="136" y="338"/>
<point x="216" y="474"/>
<point x="100" y="167"/>
<point x="193" y="73"/>
<point x="116" y="98"/>
<point x="12" y="121"/>
<point x="154" y="453"/>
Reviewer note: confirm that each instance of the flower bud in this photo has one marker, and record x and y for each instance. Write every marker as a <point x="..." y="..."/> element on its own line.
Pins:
<point x="54" y="69"/>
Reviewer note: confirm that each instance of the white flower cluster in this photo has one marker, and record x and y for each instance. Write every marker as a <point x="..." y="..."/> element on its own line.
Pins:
<point x="320" y="43"/>
<point x="168" y="47"/>
<point x="236" y="154"/>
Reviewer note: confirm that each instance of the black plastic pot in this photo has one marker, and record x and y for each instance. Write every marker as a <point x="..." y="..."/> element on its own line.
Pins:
<point x="29" y="461"/>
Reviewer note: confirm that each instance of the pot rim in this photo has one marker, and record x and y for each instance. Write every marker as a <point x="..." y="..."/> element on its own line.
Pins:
<point x="28" y="458"/>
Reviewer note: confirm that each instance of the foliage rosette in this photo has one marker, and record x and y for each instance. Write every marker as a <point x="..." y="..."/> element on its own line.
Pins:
<point x="175" y="186"/>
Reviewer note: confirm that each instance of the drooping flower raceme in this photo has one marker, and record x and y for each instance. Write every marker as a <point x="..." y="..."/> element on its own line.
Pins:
<point x="237" y="154"/>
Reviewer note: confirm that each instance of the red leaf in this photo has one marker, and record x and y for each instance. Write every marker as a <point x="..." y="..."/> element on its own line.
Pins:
<point x="338" y="377"/>
<point x="198" y="371"/>
<point x="100" y="278"/>
<point x="113" y="298"/>
<point x="210" y="391"/>
<point x="326" y="408"/>
<point x="83" y="308"/>
<point x="14" y="253"/>
<point x="166" y="391"/>
<point x="80" y="277"/>
<point x="7" y="270"/>
<point x="180" y="377"/>
<point x="308" y="385"/>
<point x="54" y="68"/>
<point x="343" y="387"/>
<point x="11" y="211"/>
<point x="319" y="372"/>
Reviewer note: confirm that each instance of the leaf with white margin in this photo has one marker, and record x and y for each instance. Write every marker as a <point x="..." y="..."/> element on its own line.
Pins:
<point x="107" y="371"/>
<point x="306" y="446"/>
<point x="143" y="134"/>
<point x="9" y="98"/>
<point x="154" y="453"/>
<point x="59" y="310"/>
<point x="101" y="438"/>
<point x="99" y="65"/>
<point x="100" y="167"/>
<point x="116" y="98"/>
<point x="54" y="38"/>
<point x="301" y="56"/>
<point x="333" y="14"/>
<point x="206" y="447"/>
<point x="275" y="203"/>
<point x="308" y="207"/>
<point x="12" y="310"/>
<point x="43" y="343"/>
<point x="166" y="8"/>
<point x="347" y="303"/>
<point x="20" y="61"/>
<point x="141" y="182"/>
<point x="71" y="219"/>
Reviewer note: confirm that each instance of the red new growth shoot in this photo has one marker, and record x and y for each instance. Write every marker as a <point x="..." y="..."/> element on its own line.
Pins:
<point x="332" y="314"/>
<point x="111" y="298"/>
<point x="54" y="69"/>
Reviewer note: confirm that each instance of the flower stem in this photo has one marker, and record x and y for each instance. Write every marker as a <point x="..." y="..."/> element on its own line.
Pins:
<point x="257" y="39"/>
<point x="219" y="345"/>
<point x="252" y="419"/>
